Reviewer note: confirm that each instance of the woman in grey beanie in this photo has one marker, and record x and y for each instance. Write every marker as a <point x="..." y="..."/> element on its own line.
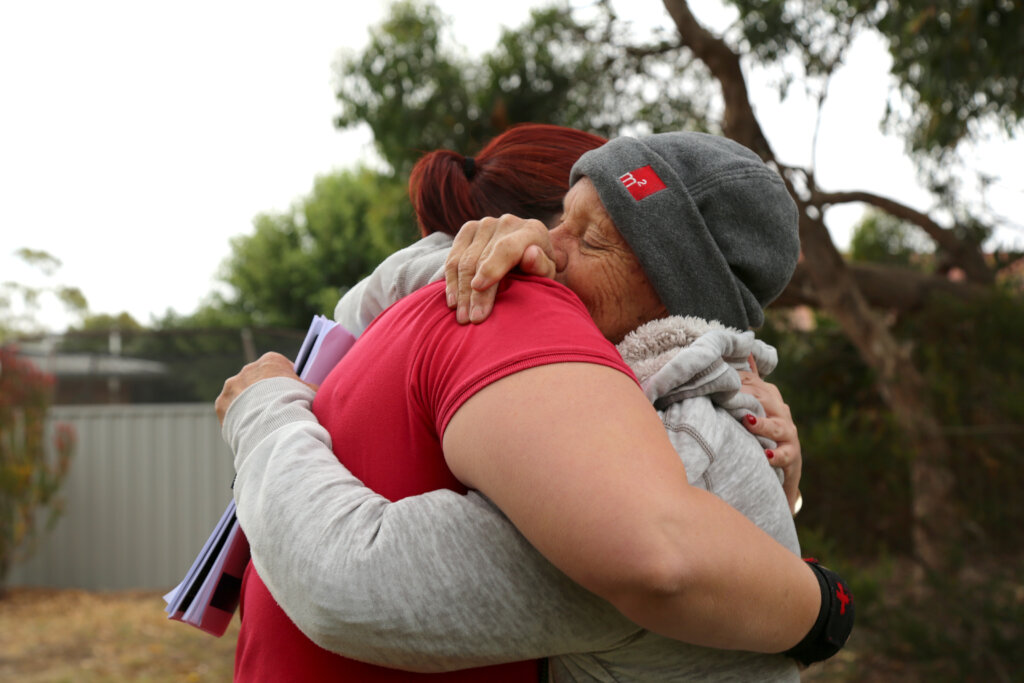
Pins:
<point x="713" y="227"/>
<point x="675" y="243"/>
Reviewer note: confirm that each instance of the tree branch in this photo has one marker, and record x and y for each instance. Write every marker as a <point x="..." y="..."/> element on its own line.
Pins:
<point x="963" y="255"/>
<point x="884" y="287"/>
<point x="739" y="121"/>
<point x="899" y="381"/>
<point x="663" y="48"/>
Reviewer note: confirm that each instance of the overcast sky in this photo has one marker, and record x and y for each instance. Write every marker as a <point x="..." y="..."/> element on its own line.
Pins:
<point x="136" y="138"/>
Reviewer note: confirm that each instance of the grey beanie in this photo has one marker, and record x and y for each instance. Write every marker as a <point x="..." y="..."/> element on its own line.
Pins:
<point x="713" y="227"/>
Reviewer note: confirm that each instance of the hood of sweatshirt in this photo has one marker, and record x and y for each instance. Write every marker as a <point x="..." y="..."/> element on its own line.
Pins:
<point x="677" y="358"/>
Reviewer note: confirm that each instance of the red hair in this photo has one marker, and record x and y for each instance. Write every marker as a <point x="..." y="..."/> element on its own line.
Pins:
<point x="524" y="171"/>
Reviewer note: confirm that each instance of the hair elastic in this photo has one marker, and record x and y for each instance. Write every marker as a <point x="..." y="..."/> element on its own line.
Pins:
<point x="469" y="167"/>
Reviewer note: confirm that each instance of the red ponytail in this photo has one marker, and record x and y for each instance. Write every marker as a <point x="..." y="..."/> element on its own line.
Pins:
<point x="524" y="171"/>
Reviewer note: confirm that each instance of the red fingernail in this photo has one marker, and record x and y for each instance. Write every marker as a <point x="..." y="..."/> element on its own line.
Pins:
<point x="769" y="453"/>
<point x="752" y="420"/>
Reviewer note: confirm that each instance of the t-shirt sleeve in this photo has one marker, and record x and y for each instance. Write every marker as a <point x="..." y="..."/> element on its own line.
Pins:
<point x="535" y="322"/>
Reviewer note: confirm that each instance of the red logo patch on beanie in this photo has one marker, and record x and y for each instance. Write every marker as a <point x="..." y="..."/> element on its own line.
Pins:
<point x="642" y="182"/>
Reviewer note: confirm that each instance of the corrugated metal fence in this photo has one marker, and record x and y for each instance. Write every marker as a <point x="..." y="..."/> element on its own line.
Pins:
<point x="147" y="485"/>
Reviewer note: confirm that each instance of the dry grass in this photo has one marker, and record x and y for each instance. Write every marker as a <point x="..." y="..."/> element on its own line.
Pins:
<point x="56" y="636"/>
<point x="69" y="635"/>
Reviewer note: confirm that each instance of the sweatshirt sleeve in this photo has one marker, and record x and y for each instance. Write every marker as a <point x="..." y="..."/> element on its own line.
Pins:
<point x="434" y="582"/>
<point x="400" y="274"/>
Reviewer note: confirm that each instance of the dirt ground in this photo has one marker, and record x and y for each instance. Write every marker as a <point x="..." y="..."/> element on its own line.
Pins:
<point x="51" y="636"/>
<point x="80" y="637"/>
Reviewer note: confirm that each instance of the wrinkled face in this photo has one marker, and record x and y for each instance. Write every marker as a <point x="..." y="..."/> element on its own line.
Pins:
<point x="594" y="260"/>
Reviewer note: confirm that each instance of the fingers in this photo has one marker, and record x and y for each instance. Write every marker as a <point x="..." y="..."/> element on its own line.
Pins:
<point x="537" y="262"/>
<point x="460" y="266"/>
<point x="791" y="486"/>
<point x="481" y="303"/>
<point x="268" y="365"/>
<point x="510" y="242"/>
<point x="753" y="366"/>
<point x="778" y="429"/>
<point x="786" y="455"/>
<point x="783" y="432"/>
<point x="778" y="426"/>
<point x="768" y="395"/>
<point x="222" y="403"/>
<point x="485" y="251"/>
<point x="484" y="286"/>
<point x="783" y="456"/>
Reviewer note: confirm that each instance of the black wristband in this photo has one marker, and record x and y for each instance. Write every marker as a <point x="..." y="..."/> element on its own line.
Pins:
<point x="835" y="619"/>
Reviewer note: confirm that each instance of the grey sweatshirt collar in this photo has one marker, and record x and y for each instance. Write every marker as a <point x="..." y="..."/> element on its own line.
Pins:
<point x="677" y="358"/>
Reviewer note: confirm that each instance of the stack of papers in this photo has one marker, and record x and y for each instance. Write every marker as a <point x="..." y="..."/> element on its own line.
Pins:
<point x="325" y="343"/>
<point x="208" y="595"/>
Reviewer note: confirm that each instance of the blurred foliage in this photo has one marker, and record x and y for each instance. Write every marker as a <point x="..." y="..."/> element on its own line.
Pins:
<point x="407" y="74"/>
<point x="970" y="630"/>
<point x="882" y="238"/>
<point x="956" y="73"/>
<point x="857" y="492"/>
<point x="297" y="263"/>
<point x="857" y="489"/>
<point x="20" y="304"/>
<point x="957" y="63"/>
<point x="855" y="478"/>
<point x="30" y="475"/>
<point x="104" y="321"/>
<point x="853" y="449"/>
<point x="418" y="92"/>
<point x="975" y="367"/>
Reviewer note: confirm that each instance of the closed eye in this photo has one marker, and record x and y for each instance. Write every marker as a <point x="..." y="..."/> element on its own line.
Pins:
<point x="594" y="242"/>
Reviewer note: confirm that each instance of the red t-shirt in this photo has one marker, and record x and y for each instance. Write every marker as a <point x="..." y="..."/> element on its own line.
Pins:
<point x="386" y="406"/>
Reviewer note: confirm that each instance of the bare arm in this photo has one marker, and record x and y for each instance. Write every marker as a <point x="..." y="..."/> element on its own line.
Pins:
<point x="606" y="500"/>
